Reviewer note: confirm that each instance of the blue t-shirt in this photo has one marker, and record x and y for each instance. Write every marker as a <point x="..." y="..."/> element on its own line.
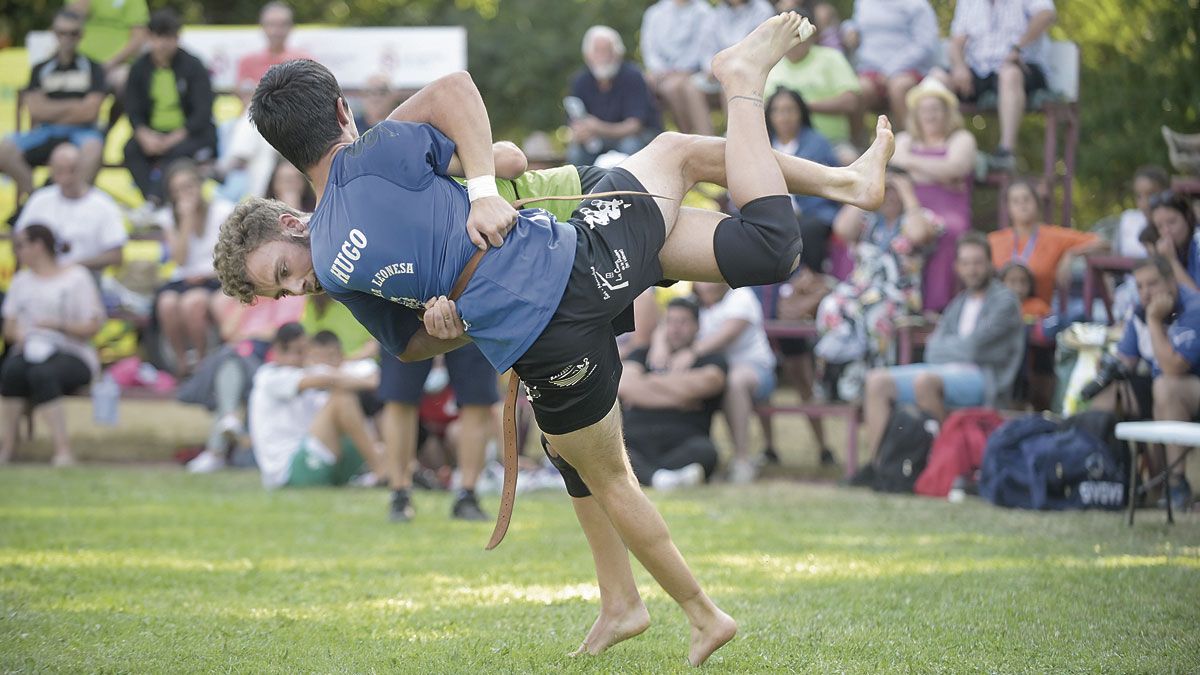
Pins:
<point x="1193" y="257"/>
<point x="390" y="233"/>
<point x="1183" y="332"/>
<point x="628" y="97"/>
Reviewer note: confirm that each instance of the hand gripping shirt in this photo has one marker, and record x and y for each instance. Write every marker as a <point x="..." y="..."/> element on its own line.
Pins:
<point x="390" y="233"/>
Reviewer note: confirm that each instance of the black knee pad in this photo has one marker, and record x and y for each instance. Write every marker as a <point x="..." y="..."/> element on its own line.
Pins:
<point x="761" y="245"/>
<point x="575" y="485"/>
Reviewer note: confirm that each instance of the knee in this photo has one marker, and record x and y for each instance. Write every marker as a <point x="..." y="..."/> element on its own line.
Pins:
<point x="168" y="306"/>
<point x="194" y="303"/>
<point x="760" y="247"/>
<point x="671" y="141"/>
<point x="899" y="85"/>
<point x="879" y="383"/>
<point x="1170" y="394"/>
<point x="927" y="384"/>
<point x="1012" y="77"/>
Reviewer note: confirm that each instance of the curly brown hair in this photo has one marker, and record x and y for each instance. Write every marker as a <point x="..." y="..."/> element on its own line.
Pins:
<point x="253" y="223"/>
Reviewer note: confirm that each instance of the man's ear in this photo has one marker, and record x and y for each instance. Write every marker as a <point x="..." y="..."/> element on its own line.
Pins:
<point x="343" y="112"/>
<point x="292" y="226"/>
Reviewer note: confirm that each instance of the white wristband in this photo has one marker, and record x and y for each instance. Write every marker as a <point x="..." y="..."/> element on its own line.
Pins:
<point x="482" y="186"/>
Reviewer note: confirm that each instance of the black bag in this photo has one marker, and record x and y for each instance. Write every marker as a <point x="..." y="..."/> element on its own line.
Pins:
<point x="904" y="449"/>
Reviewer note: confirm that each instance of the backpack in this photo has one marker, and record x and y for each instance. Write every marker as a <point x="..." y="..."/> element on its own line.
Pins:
<point x="904" y="450"/>
<point x="957" y="450"/>
<point x="1036" y="463"/>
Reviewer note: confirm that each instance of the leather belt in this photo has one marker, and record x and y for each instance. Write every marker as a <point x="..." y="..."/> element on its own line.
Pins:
<point x="508" y="493"/>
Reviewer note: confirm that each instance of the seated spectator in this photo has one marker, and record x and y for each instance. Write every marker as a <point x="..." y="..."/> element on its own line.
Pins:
<point x="1017" y="277"/>
<point x="895" y="44"/>
<point x="306" y="425"/>
<point x="825" y="18"/>
<point x="669" y="33"/>
<point x="728" y="23"/>
<point x="1178" y="241"/>
<point x="828" y="84"/>
<point x="972" y="357"/>
<point x="1164" y="332"/>
<point x="1148" y="181"/>
<point x="169" y="100"/>
<point x="85" y="220"/>
<point x="113" y="35"/>
<point x="939" y="156"/>
<point x="857" y="320"/>
<point x="187" y="307"/>
<point x="789" y="125"/>
<point x="221" y="382"/>
<point x="1047" y="250"/>
<point x="668" y="413"/>
<point x="731" y="324"/>
<point x="378" y="101"/>
<point x="998" y="48"/>
<point x="290" y="186"/>
<point x="51" y="312"/>
<point x="63" y="99"/>
<point x="619" y="113"/>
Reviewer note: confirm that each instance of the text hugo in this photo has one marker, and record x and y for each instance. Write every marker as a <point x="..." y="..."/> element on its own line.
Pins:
<point x="343" y="264"/>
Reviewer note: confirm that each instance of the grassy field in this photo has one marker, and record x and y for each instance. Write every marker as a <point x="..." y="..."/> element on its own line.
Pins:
<point x="152" y="570"/>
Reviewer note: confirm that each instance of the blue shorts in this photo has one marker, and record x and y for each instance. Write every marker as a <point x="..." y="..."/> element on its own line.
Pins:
<point x="766" y="383"/>
<point x="962" y="383"/>
<point x="471" y="376"/>
<point x="42" y="139"/>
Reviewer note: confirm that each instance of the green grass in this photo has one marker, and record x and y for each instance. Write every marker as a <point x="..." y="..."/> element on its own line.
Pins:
<point x="152" y="570"/>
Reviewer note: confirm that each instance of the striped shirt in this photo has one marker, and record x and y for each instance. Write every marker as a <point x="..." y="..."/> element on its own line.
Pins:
<point x="671" y="35"/>
<point x="992" y="27"/>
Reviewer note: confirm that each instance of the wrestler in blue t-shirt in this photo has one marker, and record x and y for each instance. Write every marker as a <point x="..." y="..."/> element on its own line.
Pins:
<point x="390" y="225"/>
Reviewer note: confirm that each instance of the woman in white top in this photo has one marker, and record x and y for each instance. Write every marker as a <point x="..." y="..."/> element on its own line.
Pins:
<point x="50" y="314"/>
<point x="189" y="306"/>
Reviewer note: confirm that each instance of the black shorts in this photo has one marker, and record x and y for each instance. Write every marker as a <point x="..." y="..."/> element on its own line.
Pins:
<point x="471" y="376"/>
<point x="572" y="371"/>
<point x="988" y="86"/>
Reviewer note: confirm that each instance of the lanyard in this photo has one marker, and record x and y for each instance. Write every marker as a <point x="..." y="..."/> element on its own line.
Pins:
<point x="1030" y="245"/>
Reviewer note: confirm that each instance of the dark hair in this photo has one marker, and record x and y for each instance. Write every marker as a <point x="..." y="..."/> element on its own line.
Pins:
<point x="1026" y="183"/>
<point x="689" y="304"/>
<point x="45" y="236"/>
<point x="287" y="334"/>
<point x="1149" y="235"/>
<point x="1155" y="173"/>
<point x="1018" y="265"/>
<point x="68" y="14"/>
<point x="1170" y="199"/>
<point x="164" y="22"/>
<point x="805" y="113"/>
<point x="1157" y="262"/>
<point x="327" y="338"/>
<point x="974" y="239"/>
<point x="295" y="108"/>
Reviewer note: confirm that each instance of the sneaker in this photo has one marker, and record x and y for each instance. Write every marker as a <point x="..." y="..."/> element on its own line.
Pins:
<point x="466" y="507"/>
<point x="401" y="509"/>
<point x="864" y="478"/>
<point x="1180" y="495"/>
<point x="769" y="456"/>
<point x="206" y="462"/>
<point x="1002" y="161"/>
<point x="742" y="472"/>
<point x="672" y="479"/>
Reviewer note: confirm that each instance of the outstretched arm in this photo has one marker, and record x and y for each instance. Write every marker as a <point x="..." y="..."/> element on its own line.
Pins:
<point x="454" y="106"/>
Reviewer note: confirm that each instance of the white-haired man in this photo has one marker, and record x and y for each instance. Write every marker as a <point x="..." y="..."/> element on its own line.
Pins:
<point x="618" y="112"/>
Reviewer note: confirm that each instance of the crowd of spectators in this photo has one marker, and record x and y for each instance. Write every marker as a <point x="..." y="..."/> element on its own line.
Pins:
<point x="920" y="259"/>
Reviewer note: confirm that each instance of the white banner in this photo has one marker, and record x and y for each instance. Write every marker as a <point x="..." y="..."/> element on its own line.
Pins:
<point x="411" y="57"/>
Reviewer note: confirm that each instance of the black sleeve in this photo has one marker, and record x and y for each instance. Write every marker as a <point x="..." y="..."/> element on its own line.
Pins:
<point x="35" y="78"/>
<point x="717" y="360"/>
<point x="137" y="93"/>
<point x="99" y="81"/>
<point x="200" y="98"/>
<point x="638" y="356"/>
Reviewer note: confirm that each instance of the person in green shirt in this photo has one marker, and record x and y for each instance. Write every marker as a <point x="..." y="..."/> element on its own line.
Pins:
<point x="113" y="35"/>
<point x="321" y="312"/>
<point x="828" y="84"/>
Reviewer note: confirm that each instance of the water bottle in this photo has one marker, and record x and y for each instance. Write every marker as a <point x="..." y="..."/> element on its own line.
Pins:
<point x="106" y="394"/>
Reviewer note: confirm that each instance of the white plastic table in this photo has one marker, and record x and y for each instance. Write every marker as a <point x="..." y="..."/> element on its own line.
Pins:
<point x="1174" y="433"/>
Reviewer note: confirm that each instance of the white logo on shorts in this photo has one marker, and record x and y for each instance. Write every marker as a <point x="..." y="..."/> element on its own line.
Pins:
<point x="606" y="210"/>
<point x="614" y="280"/>
<point x="573" y="375"/>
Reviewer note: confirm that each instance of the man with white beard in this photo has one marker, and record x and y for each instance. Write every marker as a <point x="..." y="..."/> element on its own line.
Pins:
<point x="610" y="106"/>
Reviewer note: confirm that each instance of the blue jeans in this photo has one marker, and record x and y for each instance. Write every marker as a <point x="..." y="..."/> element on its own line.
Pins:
<point x="962" y="383"/>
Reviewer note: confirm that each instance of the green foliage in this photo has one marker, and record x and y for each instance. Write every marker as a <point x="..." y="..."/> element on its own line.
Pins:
<point x="151" y="570"/>
<point x="1139" y="64"/>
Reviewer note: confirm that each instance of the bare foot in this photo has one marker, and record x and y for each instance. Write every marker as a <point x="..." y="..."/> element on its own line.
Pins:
<point x="609" y="630"/>
<point x="742" y="69"/>
<point x="708" y="639"/>
<point x="866" y="191"/>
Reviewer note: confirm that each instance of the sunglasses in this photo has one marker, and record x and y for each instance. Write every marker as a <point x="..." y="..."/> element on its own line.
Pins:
<point x="69" y="33"/>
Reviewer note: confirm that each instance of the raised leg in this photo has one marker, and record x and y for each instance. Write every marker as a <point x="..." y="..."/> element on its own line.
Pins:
<point x="598" y="454"/>
<point x="343" y="416"/>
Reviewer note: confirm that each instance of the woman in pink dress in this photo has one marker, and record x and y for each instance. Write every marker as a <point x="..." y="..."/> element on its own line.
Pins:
<point x="939" y="155"/>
